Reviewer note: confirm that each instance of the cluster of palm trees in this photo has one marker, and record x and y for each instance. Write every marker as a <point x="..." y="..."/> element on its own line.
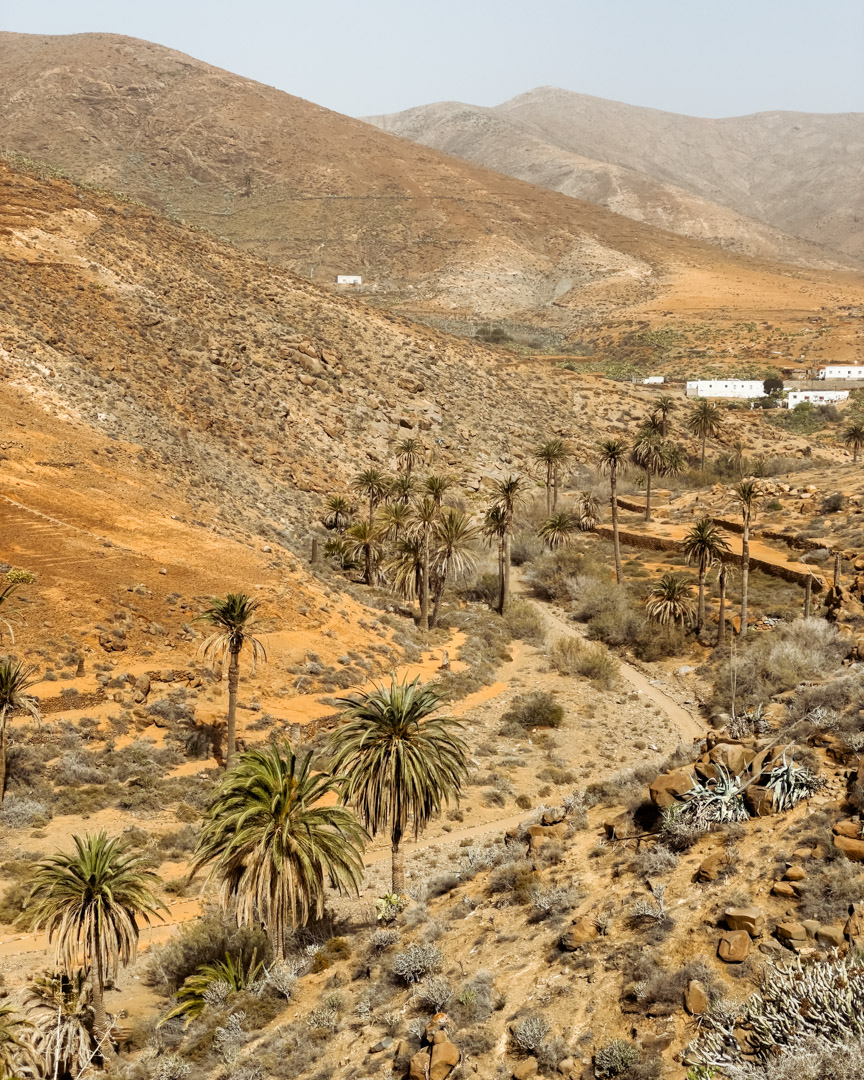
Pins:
<point x="278" y="831"/>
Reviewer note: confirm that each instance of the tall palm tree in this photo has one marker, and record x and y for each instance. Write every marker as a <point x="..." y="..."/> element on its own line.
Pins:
<point x="59" y="1005"/>
<point x="552" y="454"/>
<point x="90" y="901"/>
<point x="705" y="422"/>
<point x="392" y="519"/>
<point x="401" y="764"/>
<point x="437" y="486"/>
<point x="613" y="460"/>
<point x="454" y="537"/>
<point x="671" y="601"/>
<point x="704" y="545"/>
<point x="722" y="581"/>
<point x="425" y="515"/>
<point x="372" y="485"/>
<point x="273" y="845"/>
<point x="339" y="512"/>
<point x="408" y="453"/>
<point x="494" y="529"/>
<point x="16" y="1051"/>
<point x="558" y="529"/>
<point x="364" y="538"/>
<point x="232" y="619"/>
<point x="747" y="495"/>
<point x="405" y="567"/>
<point x="651" y="454"/>
<point x="507" y="494"/>
<point x="401" y="488"/>
<point x="15" y="680"/>
<point x="662" y="409"/>
<point x="853" y="439"/>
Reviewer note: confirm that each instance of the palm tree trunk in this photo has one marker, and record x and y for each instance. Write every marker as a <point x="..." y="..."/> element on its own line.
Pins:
<point x="745" y="576"/>
<point x="367" y="570"/>
<point x="100" y="1017"/>
<point x="554" y="488"/>
<point x="548" y="489"/>
<point x="700" y="613"/>
<point x="721" y="624"/>
<point x="500" y="607"/>
<point x="371" y="508"/>
<point x="424" y="582"/>
<point x="397" y="884"/>
<point x="808" y="593"/>
<point x="702" y="464"/>
<point x="437" y="593"/>
<point x="506" y="596"/>
<point x="3" y="712"/>
<point x="647" y="494"/>
<point x="616" y="546"/>
<point x="233" y="680"/>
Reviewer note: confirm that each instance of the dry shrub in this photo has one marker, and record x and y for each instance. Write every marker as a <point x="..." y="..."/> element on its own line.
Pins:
<point x="537" y="709"/>
<point x="524" y="622"/>
<point x="570" y="656"/>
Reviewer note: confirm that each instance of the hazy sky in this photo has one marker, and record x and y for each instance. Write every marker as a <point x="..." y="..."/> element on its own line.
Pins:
<point x="704" y="57"/>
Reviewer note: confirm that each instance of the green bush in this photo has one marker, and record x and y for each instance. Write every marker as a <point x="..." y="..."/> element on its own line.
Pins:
<point x="536" y="709"/>
<point x="554" y="576"/>
<point x="524" y="622"/>
<point x="570" y="656"/>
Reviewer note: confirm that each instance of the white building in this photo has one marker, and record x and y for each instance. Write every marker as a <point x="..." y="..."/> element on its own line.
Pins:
<point x="654" y="380"/>
<point x="818" y="397"/>
<point x="349" y="279"/>
<point x="842" y="371"/>
<point x="726" y="388"/>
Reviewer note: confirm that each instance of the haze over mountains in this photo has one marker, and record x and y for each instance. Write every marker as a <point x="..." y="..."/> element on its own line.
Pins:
<point x="326" y="194"/>
<point x="739" y="182"/>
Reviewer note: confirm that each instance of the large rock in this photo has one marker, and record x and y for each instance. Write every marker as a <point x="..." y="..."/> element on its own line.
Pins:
<point x="849" y="829"/>
<point x="538" y="835"/>
<point x="554" y="816"/>
<point x="525" y="1069"/>
<point x="791" y="931"/>
<point x="786" y="890"/>
<point x="733" y="756"/>
<point x="667" y="785"/>
<point x="852" y="849"/>
<point x="854" y="928"/>
<point x="418" y="1069"/>
<point x="712" y="867"/>
<point x="750" y="919"/>
<point x="759" y="801"/>
<point x="581" y="931"/>
<point x="445" y="1058"/>
<point x="734" y="947"/>
<point x="696" y="998"/>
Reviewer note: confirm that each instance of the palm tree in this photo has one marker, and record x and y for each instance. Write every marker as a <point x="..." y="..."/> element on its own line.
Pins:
<point x="454" y="536"/>
<point x="507" y="494"/>
<point x="405" y="568"/>
<point x="671" y="601"/>
<point x="494" y="529"/>
<point x="372" y="485"/>
<point x="401" y="488"/>
<point x="191" y="998"/>
<point x="15" y="681"/>
<point x="364" y="538"/>
<point x="400" y="763"/>
<point x="705" y="545"/>
<point x="650" y="453"/>
<point x="613" y="459"/>
<point x="425" y="515"/>
<point x="853" y="439"/>
<point x="662" y="408"/>
<point x="587" y="511"/>
<point x="16" y="1052"/>
<point x="722" y="580"/>
<point x="232" y="619"/>
<point x="408" y="453"/>
<point x="747" y="496"/>
<point x="705" y="422"/>
<point x="552" y="454"/>
<point x="559" y="529"/>
<point x="273" y="845"/>
<point x="339" y="512"/>
<point x="91" y="901"/>
<point x="437" y="486"/>
<point x="392" y="519"/>
<point x="59" y="1005"/>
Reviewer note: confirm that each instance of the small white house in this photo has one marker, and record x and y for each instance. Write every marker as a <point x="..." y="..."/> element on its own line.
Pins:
<point x="726" y="388"/>
<point x="818" y="397"/>
<point x="842" y="371"/>
<point x="349" y="279"/>
<point x="654" y="380"/>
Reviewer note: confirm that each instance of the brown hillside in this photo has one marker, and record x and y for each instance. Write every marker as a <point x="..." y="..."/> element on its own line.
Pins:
<point x="327" y="194"/>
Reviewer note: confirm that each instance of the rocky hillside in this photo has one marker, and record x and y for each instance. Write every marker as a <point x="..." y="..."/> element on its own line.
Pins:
<point x="325" y="194"/>
<point x="759" y="184"/>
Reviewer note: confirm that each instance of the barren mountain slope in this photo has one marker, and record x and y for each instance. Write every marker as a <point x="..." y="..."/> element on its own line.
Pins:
<point x="795" y="172"/>
<point x="324" y="193"/>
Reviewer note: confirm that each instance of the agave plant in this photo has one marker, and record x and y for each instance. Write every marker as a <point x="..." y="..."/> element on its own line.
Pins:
<point x="60" y="1008"/>
<point x="790" y="784"/>
<point x="587" y="511"/>
<point x="717" y="801"/>
<point x="211" y="985"/>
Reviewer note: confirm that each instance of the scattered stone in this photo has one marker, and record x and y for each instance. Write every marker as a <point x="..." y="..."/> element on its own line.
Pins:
<point x="445" y="1057"/>
<point x="812" y="927"/>
<point x="582" y="930"/>
<point x="750" y="919"/>
<point x="525" y="1069"/>
<point x="785" y="889"/>
<point x="734" y="946"/>
<point x="795" y="873"/>
<point x="759" y="801"/>
<point x="791" y="931"/>
<point x="382" y="1044"/>
<point x="831" y="936"/>
<point x="667" y="786"/>
<point x="852" y="849"/>
<point x="712" y="867"/>
<point x="851" y="829"/>
<point x="553" y="816"/>
<point x="696" y="998"/>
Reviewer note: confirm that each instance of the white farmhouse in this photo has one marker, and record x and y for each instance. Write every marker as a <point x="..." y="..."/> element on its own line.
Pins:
<point x="817" y="397"/>
<point x="654" y="380"/>
<point x="726" y="388"/>
<point x="842" y="371"/>
<point x="349" y="279"/>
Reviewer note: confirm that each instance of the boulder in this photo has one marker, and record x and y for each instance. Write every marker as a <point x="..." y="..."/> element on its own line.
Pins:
<point x="854" y="928"/>
<point x="418" y="1069"/>
<point x="620" y="826"/>
<point x="696" y="998"/>
<point x="382" y="1044"/>
<point x="734" y="946"/>
<point x="667" y="785"/>
<point x="791" y="931"/>
<point x="445" y="1058"/>
<point x="852" y="849"/>
<point x="849" y="829"/>
<point x="553" y="816"/>
<point x="795" y="873"/>
<point x="581" y="931"/>
<point x="538" y="835"/>
<point x="566" y="1066"/>
<point x="784" y="889"/>
<point x="712" y="867"/>
<point x="830" y="936"/>
<point x="525" y="1069"/>
<point x="759" y="801"/>
<point x="750" y="919"/>
<point x="812" y="927"/>
<point x="733" y="756"/>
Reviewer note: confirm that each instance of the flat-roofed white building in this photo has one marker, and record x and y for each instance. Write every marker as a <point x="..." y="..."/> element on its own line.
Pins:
<point x="726" y="388"/>
<point x="654" y="380"/>
<point x="817" y="397"/>
<point x="842" y="371"/>
<point x="349" y="279"/>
